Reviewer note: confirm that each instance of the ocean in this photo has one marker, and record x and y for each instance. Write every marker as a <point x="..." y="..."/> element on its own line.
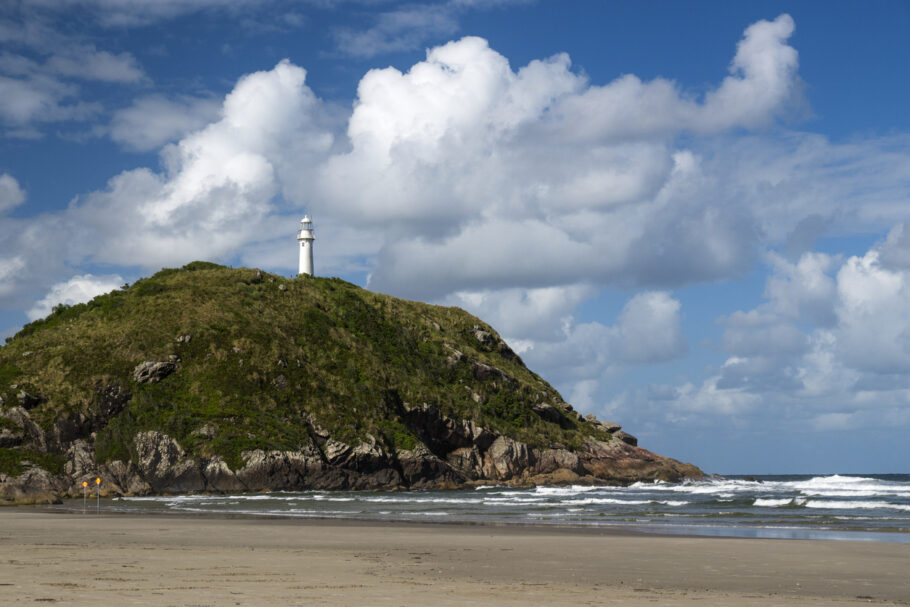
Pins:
<point x="874" y="507"/>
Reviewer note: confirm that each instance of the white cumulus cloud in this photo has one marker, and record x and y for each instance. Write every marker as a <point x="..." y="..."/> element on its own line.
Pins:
<point x="647" y="330"/>
<point x="535" y="177"/>
<point x="78" y="289"/>
<point x="217" y="192"/>
<point x="829" y="347"/>
<point x="11" y="195"/>
<point x="154" y="120"/>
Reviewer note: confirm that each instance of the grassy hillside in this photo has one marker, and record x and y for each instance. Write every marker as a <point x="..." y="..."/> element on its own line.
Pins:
<point x="263" y="355"/>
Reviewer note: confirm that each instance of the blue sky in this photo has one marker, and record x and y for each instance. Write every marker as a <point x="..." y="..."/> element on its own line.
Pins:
<point x="692" y="218"/>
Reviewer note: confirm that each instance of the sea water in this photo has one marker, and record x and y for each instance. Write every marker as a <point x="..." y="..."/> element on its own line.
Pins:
<point x="853" y="507"/>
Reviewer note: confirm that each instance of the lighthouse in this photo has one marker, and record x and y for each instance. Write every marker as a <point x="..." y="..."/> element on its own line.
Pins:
<point x="306" y="237"/>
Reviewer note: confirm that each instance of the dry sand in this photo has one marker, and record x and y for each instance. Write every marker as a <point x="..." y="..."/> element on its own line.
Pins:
<point x="77" y="559"/>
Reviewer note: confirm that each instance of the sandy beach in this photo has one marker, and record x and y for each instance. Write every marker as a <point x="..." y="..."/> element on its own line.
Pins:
<point x="89" y="559"/>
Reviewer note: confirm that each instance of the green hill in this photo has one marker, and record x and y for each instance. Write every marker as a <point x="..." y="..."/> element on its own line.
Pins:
<point x="223" y="366"/>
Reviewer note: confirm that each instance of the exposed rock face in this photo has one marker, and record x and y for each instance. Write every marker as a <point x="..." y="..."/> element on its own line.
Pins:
<point x="277" y="469"/>
<point x="8" y="438"/>
<point x="602" y="425"/>
<point x="28" y="401"/>
<point x="456" y="452"/>
<point x="31" y="435"/>
<point x="111" y="398"/>
<point x="34" y="486"/>
<point x="152" y="371"/>
<point x="626" y="438"/>
<point x="164" y="465"/>
<point x="452" y="452"/>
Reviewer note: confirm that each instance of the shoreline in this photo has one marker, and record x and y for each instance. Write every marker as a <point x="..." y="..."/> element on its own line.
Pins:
<point x="181" y="559"/>
<point x="73" y="506"/>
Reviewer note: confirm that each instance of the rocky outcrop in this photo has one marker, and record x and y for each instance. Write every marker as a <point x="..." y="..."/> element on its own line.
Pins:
<point x="164" y="465"/>
<point x="626" y="438"/>
<point x="602" y="425"/>
<point x="30" y="435"/>
<point x="34" y="486"/>
<point x="453" y="453"/>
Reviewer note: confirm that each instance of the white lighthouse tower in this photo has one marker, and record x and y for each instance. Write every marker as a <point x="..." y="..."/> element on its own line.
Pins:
<point x="306" y="237"/>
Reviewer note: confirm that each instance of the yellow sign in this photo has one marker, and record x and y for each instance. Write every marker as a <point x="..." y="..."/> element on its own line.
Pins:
<point x="84" y="484"/>
<point x="97" y="481"/>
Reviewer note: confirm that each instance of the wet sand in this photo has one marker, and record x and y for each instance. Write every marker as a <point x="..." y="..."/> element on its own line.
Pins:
<point x="77" y="559"/>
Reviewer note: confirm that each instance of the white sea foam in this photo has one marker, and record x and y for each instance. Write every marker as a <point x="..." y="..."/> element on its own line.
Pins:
<point x="514" y="501"/>
<point x="570" y="490"/>
<point x="858" y="505"/>
<point x="407" y="499"/>
<point x="879" y="503"/>
<point x="604" y="500"/>
<point x="777" y="503"/>
<point x="620" y="502"/>
<point x="710" y="487"/>
<point x="851" y="486"/>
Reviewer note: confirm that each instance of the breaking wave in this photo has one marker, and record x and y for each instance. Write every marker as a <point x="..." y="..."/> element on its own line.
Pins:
<point x="832" y="506"/>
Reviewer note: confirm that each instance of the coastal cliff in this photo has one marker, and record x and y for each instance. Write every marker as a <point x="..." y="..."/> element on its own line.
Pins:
<point x="208" y="378"/>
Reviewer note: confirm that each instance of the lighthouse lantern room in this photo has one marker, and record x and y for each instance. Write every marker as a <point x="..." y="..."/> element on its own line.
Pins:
<point x="306" y="237"/>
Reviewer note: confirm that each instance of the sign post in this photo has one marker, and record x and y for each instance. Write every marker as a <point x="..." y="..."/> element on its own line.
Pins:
<point x="84" y="495"/>
<point x="98" y="484"/>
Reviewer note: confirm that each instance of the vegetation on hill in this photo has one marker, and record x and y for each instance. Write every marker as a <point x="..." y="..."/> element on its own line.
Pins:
<point x="260" y="355"/>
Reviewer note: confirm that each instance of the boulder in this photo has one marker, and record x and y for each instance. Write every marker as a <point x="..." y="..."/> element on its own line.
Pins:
<point x="126" y="477"/>
<point x="455" y="356"/>
<point x="421" y="469"/>
<point x="610" y="427"/>
<point x="485" y="338"/>
<point x="152" y="371"/>
<point x="219" y="477"/>
<point x="626" y="438"/>
<point x="505" y="458"/>
<point x="551" y="460"/>
<point x="34" y="486"/>
<point x="485" y="372"/>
